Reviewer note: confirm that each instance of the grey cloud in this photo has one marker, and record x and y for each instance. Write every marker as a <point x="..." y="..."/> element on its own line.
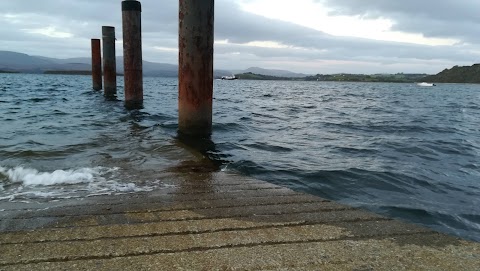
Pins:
<point x="433" y="18"/>
<point x="75" y="10"/>
<point x="450" y="10"/>
<point x="84" y="18"/>
<point x="348" y="51"/>
<point x="242" y="27"/>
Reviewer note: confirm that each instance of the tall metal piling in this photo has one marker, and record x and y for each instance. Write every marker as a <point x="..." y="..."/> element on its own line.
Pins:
<point x="195" y="71"/>
<point x="132" y="53"/>
<point x="109" y="62"/>
<point x="96" y="65"/>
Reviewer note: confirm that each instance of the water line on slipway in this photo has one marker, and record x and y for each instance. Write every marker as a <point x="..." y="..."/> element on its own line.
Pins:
<point x="341" y="141"/>
<point x="25" y="184"/>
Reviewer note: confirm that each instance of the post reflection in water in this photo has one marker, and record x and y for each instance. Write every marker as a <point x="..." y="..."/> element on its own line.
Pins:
<point x="199" y="173"/>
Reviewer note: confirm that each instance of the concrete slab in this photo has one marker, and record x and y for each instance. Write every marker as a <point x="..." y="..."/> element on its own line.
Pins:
<point x="211" y="226"/>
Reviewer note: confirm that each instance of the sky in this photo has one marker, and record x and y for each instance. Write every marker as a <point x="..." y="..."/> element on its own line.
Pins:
<point x="307" y="36"/>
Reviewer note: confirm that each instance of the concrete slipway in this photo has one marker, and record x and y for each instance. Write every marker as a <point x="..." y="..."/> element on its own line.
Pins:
<point x="219" y="221"/>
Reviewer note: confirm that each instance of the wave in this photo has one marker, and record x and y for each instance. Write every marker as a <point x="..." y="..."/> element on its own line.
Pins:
<point x="37" y="100"/>
<point x="378" y="144"/>
<point x="32" y="177"/>
<point x="26" y="184"/>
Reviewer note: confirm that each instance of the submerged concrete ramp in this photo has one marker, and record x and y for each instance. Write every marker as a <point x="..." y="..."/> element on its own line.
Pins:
<point x="219" y="221"/>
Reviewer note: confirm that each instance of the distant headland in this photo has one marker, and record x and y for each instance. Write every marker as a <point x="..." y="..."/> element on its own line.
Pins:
<point x="341" y="77"/>
<point x="457" y="74"/>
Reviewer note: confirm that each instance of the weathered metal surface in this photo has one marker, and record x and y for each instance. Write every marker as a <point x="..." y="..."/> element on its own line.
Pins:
<point x="96" y="65"/>
<point x="109" y="62"/>
<point x="195" y="67"/>
<point x="132" y="54"/>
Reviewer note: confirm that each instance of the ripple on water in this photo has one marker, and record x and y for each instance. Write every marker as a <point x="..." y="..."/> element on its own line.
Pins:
<point x="387" y="147"/>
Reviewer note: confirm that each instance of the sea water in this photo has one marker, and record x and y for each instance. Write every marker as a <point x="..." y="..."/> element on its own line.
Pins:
<point x="402" y="150"/>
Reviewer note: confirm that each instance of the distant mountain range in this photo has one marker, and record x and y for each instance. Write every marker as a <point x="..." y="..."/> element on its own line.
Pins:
<point x="12" y="61"/>
<point x="23" y="63"/>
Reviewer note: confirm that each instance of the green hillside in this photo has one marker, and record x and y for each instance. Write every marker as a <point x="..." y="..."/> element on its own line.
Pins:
<point x="255" y="76"/>
<point x="457" y="74"/>
<point x="345" y="77"/>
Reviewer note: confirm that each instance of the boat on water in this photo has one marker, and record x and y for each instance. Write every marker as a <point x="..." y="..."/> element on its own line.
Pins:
<point x="233" y="77"/>
<point x="425" y="84"/>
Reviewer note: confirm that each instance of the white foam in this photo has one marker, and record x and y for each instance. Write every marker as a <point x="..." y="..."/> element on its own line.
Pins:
<point x="22" y="183"/>
<point x="116" y="187"/>
<point x="32" y="177"/>
<point x="30" y="194"/>
<point x="9" y="198"/>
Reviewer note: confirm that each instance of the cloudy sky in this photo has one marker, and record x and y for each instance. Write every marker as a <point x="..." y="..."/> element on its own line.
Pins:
<point x="309" y="36"/>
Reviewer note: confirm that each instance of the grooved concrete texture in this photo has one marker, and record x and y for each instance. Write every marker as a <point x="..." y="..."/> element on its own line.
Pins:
<point x="219" y="222"/>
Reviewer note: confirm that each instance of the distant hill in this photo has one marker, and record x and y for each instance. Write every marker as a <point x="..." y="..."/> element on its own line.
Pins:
<point x="457" y="74"/>
<point x="255" y="76"/>
<point x="387" y="78"/>
<point x="12" y="61"/>
<point x="342" y="77"/>
<point x="72" y="72"/>
<point x="269" y="72"/>
<point x="18" y="62"/>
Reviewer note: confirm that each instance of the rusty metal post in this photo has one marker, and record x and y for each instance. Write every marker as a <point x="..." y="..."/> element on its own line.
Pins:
<point x="132" y="53"/>
<point x="109" y="62"/>
<point x="195" y="71"/>
<point x="96" y="65"/>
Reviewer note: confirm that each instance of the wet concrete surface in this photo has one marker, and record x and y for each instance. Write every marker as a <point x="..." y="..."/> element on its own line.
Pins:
<point x="219" y="221"/>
